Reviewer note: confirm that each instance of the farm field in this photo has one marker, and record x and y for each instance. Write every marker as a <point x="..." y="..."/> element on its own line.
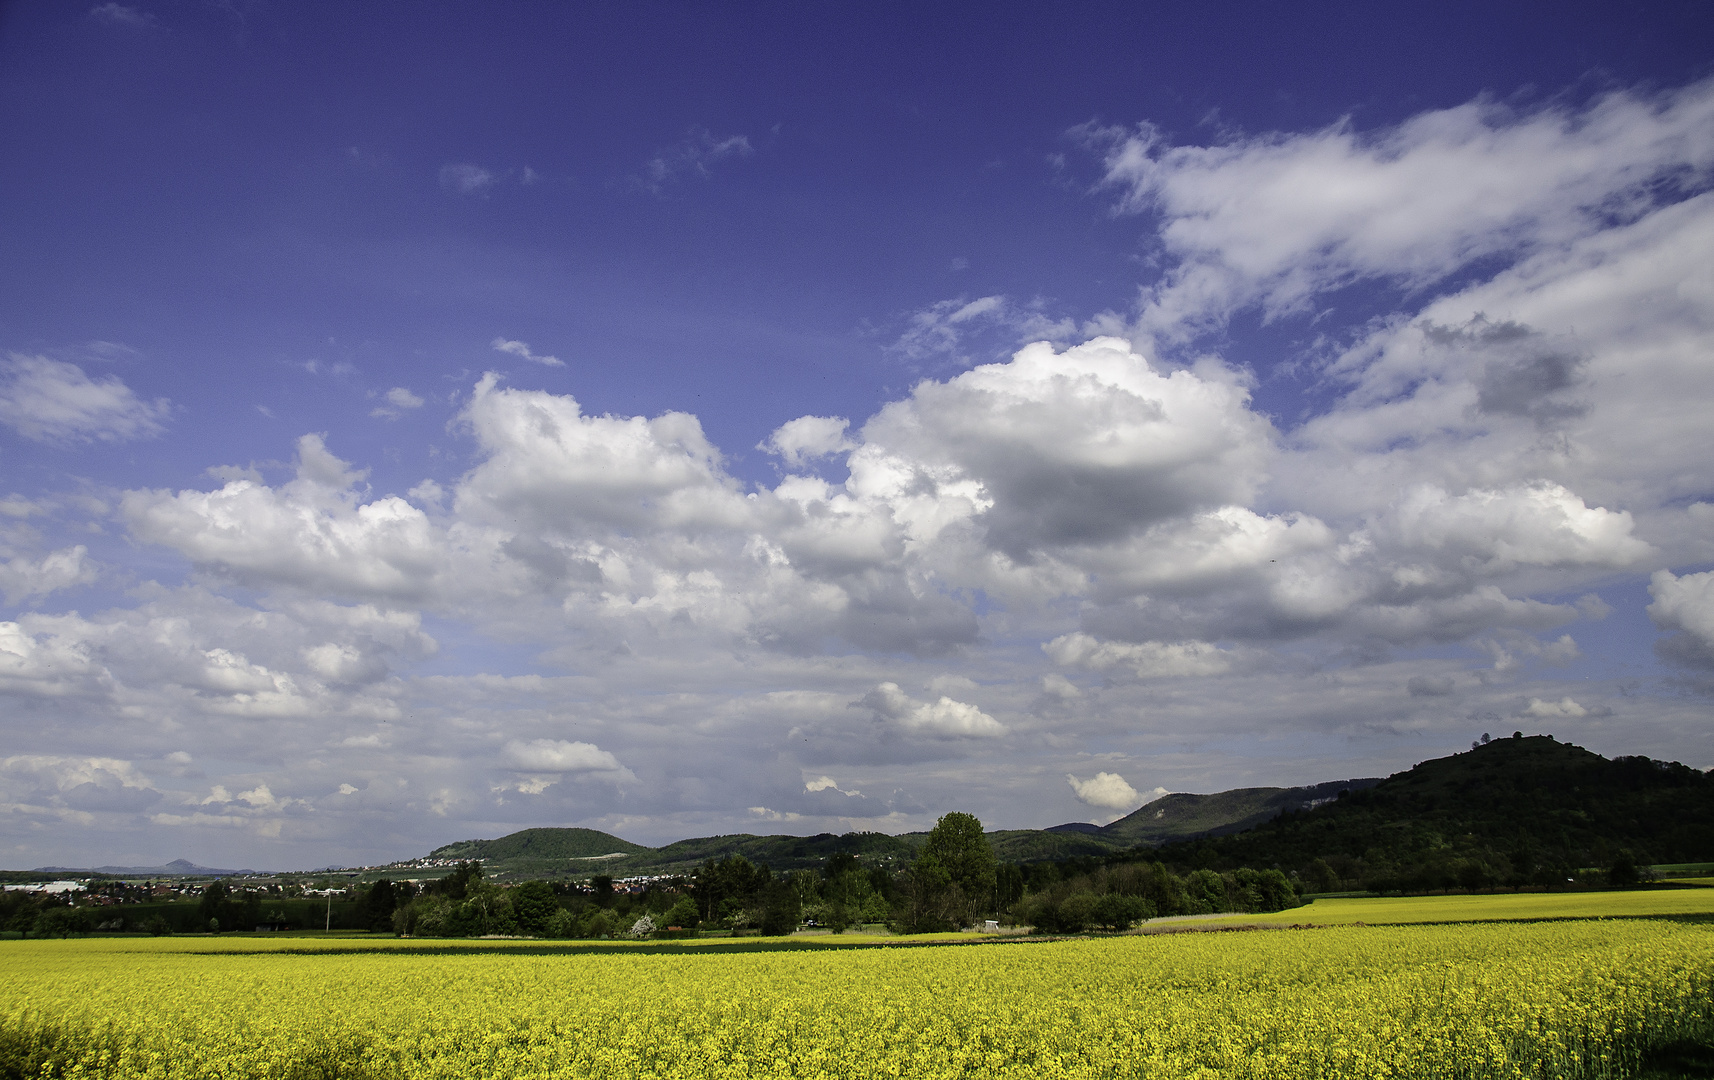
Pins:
<point x="1568" y="999"/>
<point x="1477" y="907"/>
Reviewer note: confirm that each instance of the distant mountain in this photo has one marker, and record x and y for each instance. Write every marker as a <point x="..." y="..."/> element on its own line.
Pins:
<point x="1514" y="811"/>
<point x="176" y="868"/>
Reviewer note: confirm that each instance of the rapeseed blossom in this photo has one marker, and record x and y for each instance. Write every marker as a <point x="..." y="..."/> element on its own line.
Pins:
<point x="1561" y="1000"/>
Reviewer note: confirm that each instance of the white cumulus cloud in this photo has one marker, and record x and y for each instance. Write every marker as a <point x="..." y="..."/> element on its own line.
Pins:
<point x="807" y="438"/>
<point x="942" y="718"/>
<point x="560" y="756"/>
<point x="1109" y="791"/>
<point x="22" y="577"/>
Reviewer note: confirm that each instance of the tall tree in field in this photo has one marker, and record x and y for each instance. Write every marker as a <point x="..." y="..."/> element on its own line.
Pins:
<point x="963" y="851"/>
<point x="951" y="884"/>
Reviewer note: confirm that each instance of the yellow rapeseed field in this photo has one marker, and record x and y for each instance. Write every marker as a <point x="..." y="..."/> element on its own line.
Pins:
<point x="1574" y="999"/>
<point x="1478" y="907"/>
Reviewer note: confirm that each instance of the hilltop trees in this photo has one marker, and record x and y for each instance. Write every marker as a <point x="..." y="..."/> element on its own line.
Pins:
<point x="1514" y="813"/>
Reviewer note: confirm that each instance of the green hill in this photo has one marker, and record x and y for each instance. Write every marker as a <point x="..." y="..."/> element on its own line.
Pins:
<point x="577" y="853"/>
<point x="1181" y="817"/>
<point x="1515" y="811"/>
<point x="540" y="844"/>
<point x="1050" y="845"/>
<point x="782" y="852"/>
<point x="582" y="852"/>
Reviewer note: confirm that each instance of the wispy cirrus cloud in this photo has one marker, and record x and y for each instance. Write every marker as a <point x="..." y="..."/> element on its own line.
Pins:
<point x="464" y="178"/>
<point x="115" y="14"/>
<point x="690" y="156"/>
<point x="954" y="330"/>
<point x="56" y="402"/>
<point x="521" y="349"/>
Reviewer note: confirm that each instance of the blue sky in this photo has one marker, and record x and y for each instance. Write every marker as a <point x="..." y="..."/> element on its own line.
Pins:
<point x="423" y="421"/>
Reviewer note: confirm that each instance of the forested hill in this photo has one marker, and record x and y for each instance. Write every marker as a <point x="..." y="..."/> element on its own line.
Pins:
<point x="1182" y="816"/>
<point x="541" y="844"/>
<point x="1526" y="810"/>
<point x="1513" y="811"/>
<point x="550" y="852"/>
<point x="555" y="853"/>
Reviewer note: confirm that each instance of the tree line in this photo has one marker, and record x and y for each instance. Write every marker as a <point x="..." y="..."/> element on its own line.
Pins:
<point x="953" y="883"/>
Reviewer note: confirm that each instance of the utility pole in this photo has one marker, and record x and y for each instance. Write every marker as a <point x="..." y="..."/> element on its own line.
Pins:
<point x="329" y="927"/>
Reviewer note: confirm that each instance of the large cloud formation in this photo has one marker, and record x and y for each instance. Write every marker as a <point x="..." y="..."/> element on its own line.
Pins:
<point x="1080" y="560"/>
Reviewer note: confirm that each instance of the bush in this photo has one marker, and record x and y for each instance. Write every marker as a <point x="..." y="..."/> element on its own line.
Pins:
<point x="561" y="924"/>
<point x="599" y="924"/>
<point x="682" y="914"/>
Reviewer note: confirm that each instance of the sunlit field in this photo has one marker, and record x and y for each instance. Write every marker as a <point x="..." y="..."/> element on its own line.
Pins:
<point x="1567" y="999"/>
<point x="1399" y="910"/>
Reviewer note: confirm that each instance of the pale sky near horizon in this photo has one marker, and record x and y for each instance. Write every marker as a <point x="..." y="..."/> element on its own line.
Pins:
<point x="424" y="421"/>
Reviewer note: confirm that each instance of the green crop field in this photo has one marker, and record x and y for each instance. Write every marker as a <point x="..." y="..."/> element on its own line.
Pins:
<point x="1568" y="1000"/>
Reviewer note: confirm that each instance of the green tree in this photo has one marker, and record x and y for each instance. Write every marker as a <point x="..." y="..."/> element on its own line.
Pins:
<point x="379" y="903"/>
<point x="1624" y="871"/>
<point x="456" y="885"/>
<point x="1205" y="892"/>
<point x="781" y="907"/>
<point x="215" y="904"/>
<point x="24" y="919"/>
<point x="954" y="874"/>
<point x="533" y="905"/>
<point x="1008" y="885"/>
<point x="63" y="921"/>
<point x="930" y="898"/>
<point x="1321" y="877"/>
<point x="723" y="888"/>
<point x="599" y="923"/>
<point x="486" y="909"/>
<point x="602" y="886"/>
<point x="563" y="924"/>
<point x="682" y="914"/>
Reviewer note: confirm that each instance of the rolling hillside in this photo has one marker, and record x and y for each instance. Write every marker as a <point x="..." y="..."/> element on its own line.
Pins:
<point x="543" y="844"/>
<point x="1181" y="817"/>
<point x="1515" y="811"/>
<point x="548" y="852"/>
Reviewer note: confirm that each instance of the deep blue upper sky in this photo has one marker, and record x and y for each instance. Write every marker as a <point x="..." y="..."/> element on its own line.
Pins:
<point x="245" y="187"/>
<point x="1392" y="428"/>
